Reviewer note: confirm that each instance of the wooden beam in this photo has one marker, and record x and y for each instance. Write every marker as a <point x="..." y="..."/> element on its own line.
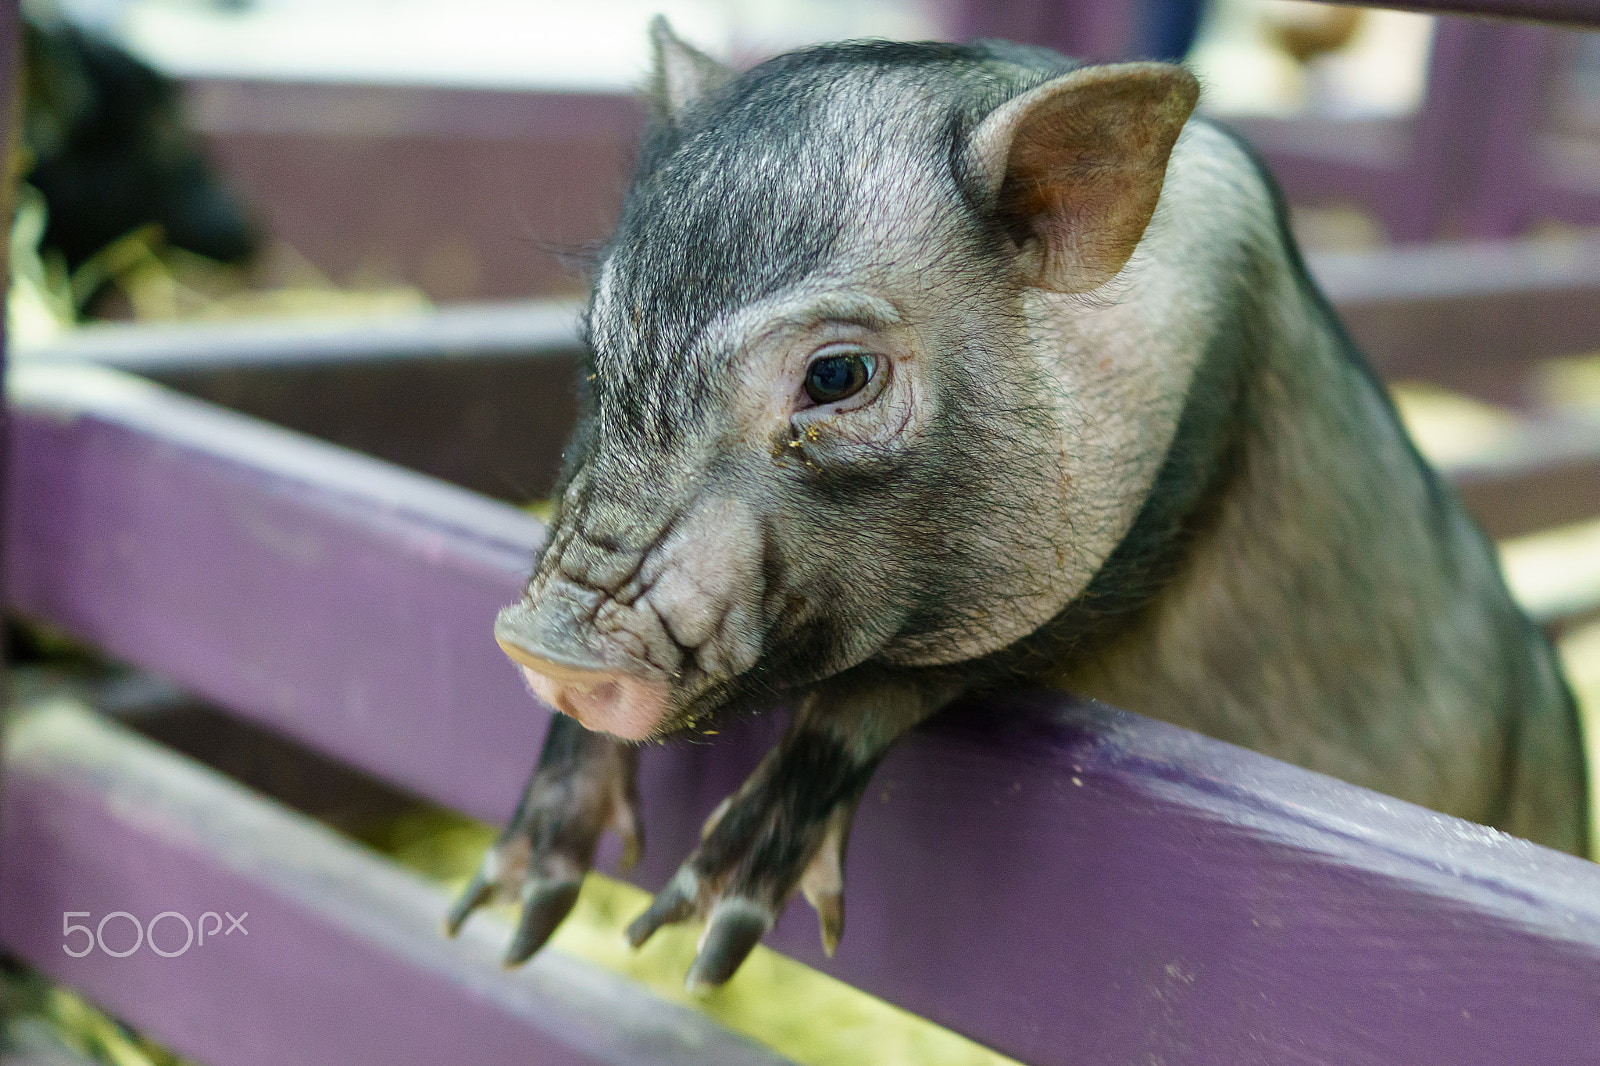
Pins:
<point x="1548" y="475"/>
<point x="512" y="329"/>
<point x="432" y="391"/>
<point x="482" y="395"/>
<point x="272" y="573"/>
<point x="338" y="956"/>
<point x="1060" y="881"/>
<point x="1581" y="13"/>
<point x="1474" y="315"/>
<point x="1471" y="314"/>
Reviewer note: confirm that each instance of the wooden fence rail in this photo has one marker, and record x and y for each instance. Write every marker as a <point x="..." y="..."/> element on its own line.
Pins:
<point x="430" y="390"/>
<point x="1063" y="882"/>
<point x="337" y="957"/>
<point x="1556" y="12"/>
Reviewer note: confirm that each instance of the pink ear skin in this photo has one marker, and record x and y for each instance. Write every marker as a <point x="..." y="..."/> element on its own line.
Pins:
<point x="1076" y="166"/>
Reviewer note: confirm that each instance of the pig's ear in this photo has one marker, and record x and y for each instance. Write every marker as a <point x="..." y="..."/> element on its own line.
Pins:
<point x="682" y="73"/>
<point x="1075" y="167"/>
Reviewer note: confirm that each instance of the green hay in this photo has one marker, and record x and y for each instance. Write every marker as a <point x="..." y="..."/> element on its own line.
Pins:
<point x="1580" y="655"/>
<point x="160" y="283"/>
<point x="80" y="1027"/>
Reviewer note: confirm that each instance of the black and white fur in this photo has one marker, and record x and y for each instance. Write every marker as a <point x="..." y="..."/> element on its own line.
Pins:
<point x="1112" y="443"/>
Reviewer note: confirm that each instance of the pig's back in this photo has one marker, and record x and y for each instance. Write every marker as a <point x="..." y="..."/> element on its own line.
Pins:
<point x="1330" y="602"/>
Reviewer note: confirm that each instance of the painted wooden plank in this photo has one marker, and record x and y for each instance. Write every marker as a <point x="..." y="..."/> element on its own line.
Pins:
<point x="337" y="957"/>
<point x="431" y="391"/>
<point x="1441" y="312"/>
<point x="1469" y="315"/>
<point x="481" y="395"/>
<point x="1548" y="476"/>
<point x="276" y="575"/>
<point x="507" y="329"/>
<point x="1061" y="881"/>
<point x="1556" y="12"/>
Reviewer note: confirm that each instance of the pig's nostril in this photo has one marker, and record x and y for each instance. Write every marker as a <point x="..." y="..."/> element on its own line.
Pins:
<point x="518" y="655"/>
<point x="546" y="640"/>
<point x="621" y="704"/>
<point x="567" y="674"/>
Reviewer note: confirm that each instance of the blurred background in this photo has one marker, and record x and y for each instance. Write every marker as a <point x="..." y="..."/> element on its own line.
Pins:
<point x="447" y="150"/>
<point x="310" y="190"/>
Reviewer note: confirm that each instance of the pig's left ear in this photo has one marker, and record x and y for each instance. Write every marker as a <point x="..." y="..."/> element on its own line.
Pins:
<point x="1076" y="165"/>
<point x="682" y="73"/>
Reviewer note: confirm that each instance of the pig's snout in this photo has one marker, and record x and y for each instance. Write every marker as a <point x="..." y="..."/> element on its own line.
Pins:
<point x="603" y="699"/>
<point x="623" y="640"/>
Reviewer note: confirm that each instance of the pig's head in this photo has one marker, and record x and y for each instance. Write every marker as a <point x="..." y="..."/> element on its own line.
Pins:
<point x="817" y="429"/>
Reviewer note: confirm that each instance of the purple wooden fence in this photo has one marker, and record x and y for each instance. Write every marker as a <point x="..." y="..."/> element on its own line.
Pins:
<point x="9" y="82"/>
<point x="1061" y="881"/>
<point x="337" y="958"/>
<point x="1473" y="161"/>
<point x="1558" y="12"/>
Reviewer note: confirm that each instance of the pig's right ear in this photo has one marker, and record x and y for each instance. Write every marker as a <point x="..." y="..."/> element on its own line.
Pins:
<point x="682" y="73"/>
<point x="1075" y="167"/>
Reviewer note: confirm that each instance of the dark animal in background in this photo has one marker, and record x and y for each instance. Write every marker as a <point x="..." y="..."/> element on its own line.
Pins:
<point x="108" y="150"/>
<point x="919" y="369"/>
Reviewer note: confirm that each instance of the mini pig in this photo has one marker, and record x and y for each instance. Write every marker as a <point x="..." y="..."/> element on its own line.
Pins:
<point x="923" y="368"/>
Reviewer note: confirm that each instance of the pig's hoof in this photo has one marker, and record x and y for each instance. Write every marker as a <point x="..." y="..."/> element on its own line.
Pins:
<point x="739" y="878"/>
<point x="541" y="858"/>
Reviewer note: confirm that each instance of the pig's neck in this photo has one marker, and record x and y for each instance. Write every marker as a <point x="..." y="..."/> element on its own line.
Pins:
<point x="1308" y="588"/>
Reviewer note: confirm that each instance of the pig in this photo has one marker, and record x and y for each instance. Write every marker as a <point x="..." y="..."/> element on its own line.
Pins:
<point x="922" y="369"/>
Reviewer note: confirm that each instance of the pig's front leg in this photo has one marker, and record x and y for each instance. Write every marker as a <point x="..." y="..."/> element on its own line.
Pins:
<point x="585" y="783"/>
<point x="788" y="825"/>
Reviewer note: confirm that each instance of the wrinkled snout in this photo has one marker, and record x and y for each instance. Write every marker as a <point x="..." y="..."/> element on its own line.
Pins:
<point x="608" y="637"/>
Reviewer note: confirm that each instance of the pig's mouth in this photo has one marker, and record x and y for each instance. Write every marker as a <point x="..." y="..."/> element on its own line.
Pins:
<point x="605" y="701"/>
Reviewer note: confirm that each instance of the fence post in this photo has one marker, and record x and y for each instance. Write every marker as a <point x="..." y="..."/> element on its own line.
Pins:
<point x="10" y="116"/>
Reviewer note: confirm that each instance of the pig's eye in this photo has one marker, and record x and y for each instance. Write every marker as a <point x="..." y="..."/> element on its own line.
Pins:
<point x="834" y="377"/>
